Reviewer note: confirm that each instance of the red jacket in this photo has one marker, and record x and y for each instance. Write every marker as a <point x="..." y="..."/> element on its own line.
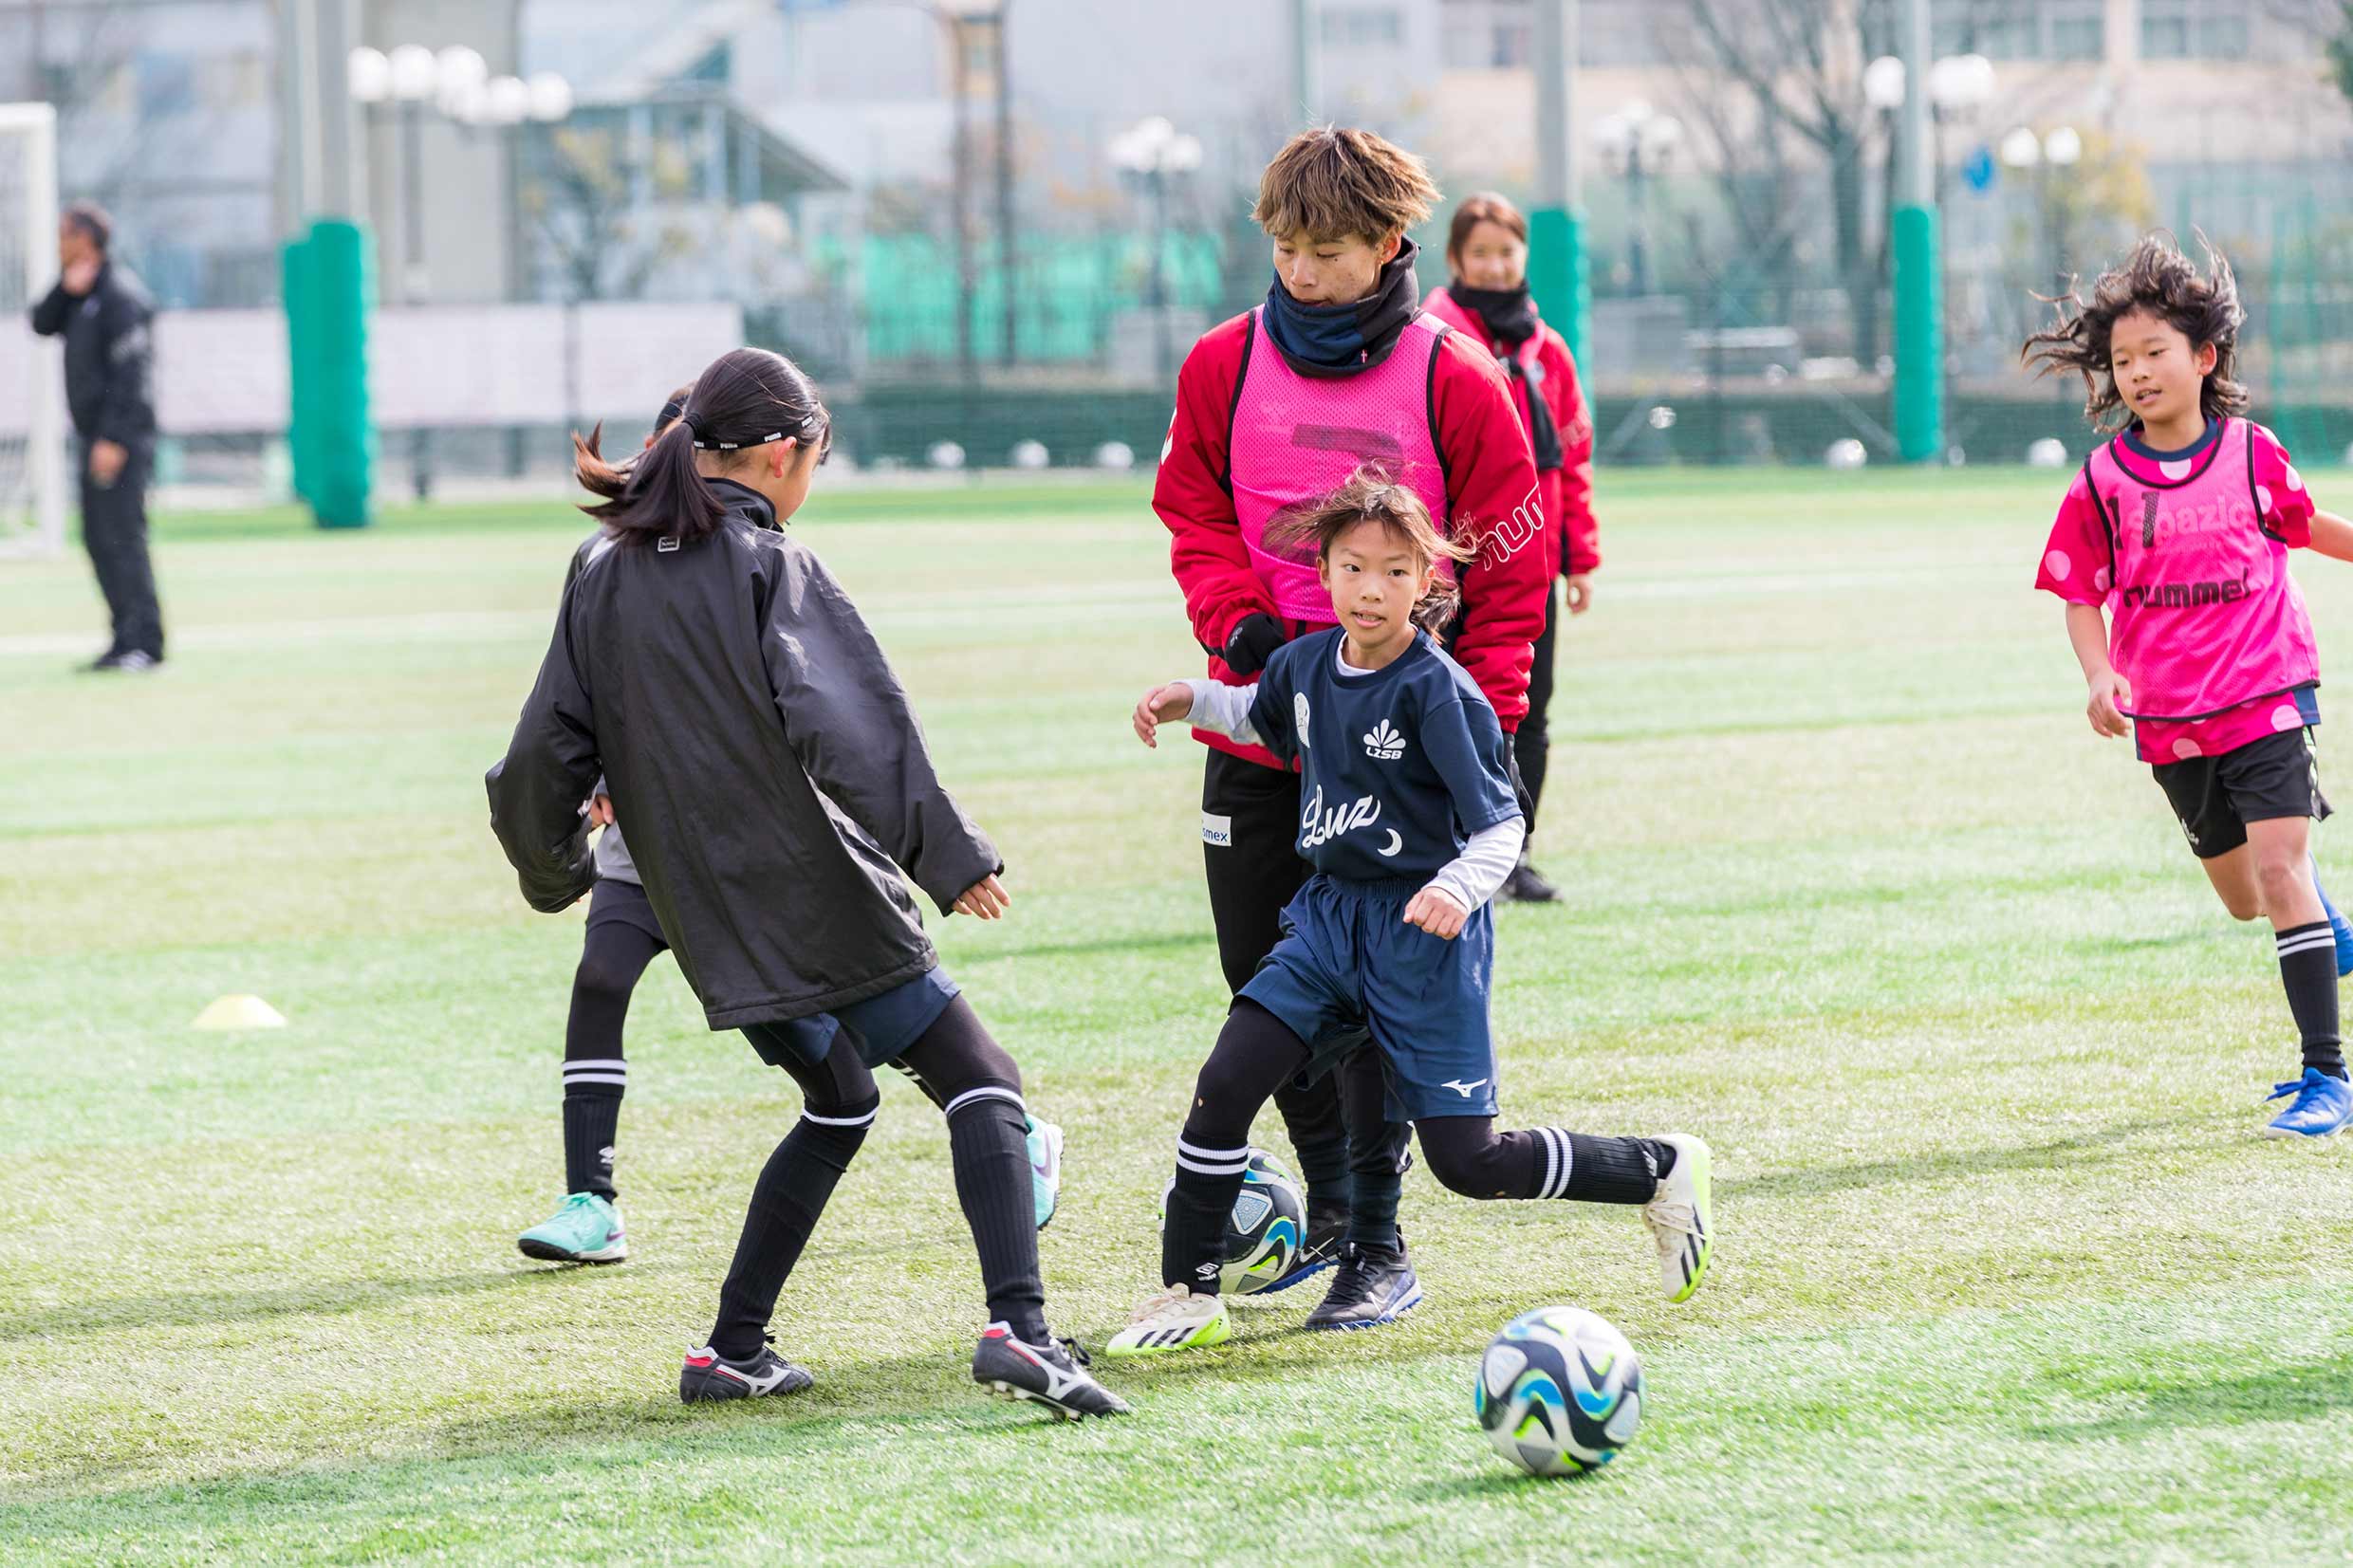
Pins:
<point x="1572" y="537"/>
<point x="1490" y="493"/>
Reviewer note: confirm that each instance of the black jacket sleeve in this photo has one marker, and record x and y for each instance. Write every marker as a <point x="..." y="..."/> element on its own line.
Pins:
<point x="536" y="790"/>
<point x="48" y="317"/>
<point x="848" y="720"/>
<point x="127" y="343"/>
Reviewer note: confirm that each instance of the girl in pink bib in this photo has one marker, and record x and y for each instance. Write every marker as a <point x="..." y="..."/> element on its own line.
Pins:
<point x="2171" y="552"/>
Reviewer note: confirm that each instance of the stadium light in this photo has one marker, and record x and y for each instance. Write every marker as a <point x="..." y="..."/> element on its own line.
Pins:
<point x="506" y="101"/>
<point x="2063" y="147"/>
<point x="1883" y="83"/>
<point x="550" y="96"/>
<point x="2021" y="148"/>
<point x="415" y="73"/>
<point x="367" y="75"/>
<point x="1960" y="82"/>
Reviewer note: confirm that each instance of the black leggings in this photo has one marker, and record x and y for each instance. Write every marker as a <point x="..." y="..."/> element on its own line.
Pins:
<point x="1256" y="1051"/>
<point x="1531" y="743"/>
<point x="978" y="1085"/>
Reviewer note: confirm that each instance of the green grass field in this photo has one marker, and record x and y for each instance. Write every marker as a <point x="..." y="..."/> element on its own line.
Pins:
<point x="2004" y="1272"/>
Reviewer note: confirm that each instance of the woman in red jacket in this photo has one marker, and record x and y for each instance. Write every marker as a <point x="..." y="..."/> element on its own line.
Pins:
<point x="1487" y="252"/>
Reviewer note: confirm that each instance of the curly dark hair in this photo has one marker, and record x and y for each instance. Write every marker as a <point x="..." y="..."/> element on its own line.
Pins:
<point x="2159" y="280"/>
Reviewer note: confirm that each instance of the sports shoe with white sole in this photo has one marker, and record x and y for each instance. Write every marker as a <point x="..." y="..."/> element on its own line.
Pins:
<point x="1681" y="1219"/>
<point x="1374" y="1285"/>
<point x="1172" y="1320"/>
<point x="2321" y="1106"/>
<point x="708" y="1377"/>
<point x="588" y="1229"/>
<point x="1053" y="1374"/>
<point x="1045" y="1168"/>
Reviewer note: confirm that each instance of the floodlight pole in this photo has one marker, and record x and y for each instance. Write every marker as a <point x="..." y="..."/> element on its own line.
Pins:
<point x="1911" y="233"/>
<point x="1306" y="86"/>
<point x="1556" y="254"/>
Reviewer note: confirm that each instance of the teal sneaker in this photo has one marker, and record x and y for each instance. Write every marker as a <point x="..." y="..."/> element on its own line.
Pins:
<point x="2321" y="1108"/>
<point x="585" y="1230"/>
<point x="1045" y="1168"/>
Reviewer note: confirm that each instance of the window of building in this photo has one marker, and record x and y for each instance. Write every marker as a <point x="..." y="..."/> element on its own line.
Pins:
<point x="2194" y="29"/>
<point x="2023" y="29"/>
<point x="1362" y="27"/>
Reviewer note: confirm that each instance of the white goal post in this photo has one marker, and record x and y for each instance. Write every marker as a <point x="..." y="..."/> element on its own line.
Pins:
<point x="33" y="425"/>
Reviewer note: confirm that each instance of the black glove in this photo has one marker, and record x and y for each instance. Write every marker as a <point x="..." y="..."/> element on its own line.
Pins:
<point x="1252" y="642"/>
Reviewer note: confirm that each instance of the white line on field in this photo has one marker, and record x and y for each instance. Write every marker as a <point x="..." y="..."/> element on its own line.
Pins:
<point x="1077" y="603"/>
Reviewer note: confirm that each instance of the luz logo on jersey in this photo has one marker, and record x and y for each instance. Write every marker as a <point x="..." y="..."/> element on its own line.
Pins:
<point x="1383" y="744"/>
<point x="1318" y="825"/>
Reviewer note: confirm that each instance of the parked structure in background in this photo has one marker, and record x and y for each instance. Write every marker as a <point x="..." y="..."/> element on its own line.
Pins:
<point x="920" y="198"/>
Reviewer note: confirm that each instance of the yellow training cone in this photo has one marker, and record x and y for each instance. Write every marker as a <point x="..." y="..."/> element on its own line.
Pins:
<point x="240" y="1012"/>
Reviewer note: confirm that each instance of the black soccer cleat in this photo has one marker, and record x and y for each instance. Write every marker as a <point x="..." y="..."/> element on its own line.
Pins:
<point x="1374" y="1285"/>
<point x="709" y="1377"/>
<point x="1525" y="885"/>
<point x="1326" y="1239"/>
<point x="1053" y="1374"/>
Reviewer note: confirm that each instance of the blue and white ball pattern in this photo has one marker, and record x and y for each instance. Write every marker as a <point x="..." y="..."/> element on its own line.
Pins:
<point x="1559" y="1391"/>
<point x="1266" y="1231"/>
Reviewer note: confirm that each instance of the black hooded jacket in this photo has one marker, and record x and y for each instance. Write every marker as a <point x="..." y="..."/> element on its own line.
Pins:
<point x="763" y="761"/>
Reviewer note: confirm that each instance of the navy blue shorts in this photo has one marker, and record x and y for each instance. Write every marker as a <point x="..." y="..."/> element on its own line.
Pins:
<point x="878" y="1028"/>
<point x="1348" y="962"/>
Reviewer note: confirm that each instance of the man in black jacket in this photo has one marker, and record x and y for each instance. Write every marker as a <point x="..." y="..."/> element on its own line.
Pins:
<point x="103" y="313"/>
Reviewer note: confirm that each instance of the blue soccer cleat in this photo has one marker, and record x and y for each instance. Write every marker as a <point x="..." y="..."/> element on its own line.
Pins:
<point x="2322" y="1107"/>
<point x="2338" y="925"/>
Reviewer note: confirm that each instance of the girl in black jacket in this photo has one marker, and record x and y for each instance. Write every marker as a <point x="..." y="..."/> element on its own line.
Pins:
<point x="769" y="772"/>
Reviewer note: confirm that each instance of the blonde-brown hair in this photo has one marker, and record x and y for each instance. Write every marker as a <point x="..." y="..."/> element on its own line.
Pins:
<point x="1309" y="533"/>
<point x="1335" y="181"/>
<point x="1486" y="207"/>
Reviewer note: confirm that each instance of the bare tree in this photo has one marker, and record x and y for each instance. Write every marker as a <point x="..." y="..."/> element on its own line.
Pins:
<point x="584" y="198"/>
<point x="1767" y="80"/>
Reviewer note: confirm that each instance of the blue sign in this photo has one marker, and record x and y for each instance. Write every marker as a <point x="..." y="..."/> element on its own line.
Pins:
<point x="1979" y="169"/>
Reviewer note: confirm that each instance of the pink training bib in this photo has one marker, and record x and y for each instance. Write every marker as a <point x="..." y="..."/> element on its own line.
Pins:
<point x="2204" y="614"/>
<point x="1297" y="438"/>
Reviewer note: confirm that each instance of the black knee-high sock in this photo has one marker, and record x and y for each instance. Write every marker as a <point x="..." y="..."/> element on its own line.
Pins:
<point x="1470" y="1156"/>
<point x="2307" y="961"/>
<point x="612" y="957"/>
<point x="794" y="1185"/>
<point x="1376" y="1152"/>
<point x="1319" y="1134"/>
<point x="592" y="1091"/>
<point x="1255" y="1052"/>
<point x="988" y="1136"/>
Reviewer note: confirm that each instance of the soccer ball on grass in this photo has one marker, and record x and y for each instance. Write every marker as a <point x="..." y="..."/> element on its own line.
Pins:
<point x="1559" y="1391"/>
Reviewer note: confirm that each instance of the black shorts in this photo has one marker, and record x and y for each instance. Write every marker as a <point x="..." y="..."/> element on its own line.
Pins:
<point x="613" y="899"/>
<point x="2217" y="797"/>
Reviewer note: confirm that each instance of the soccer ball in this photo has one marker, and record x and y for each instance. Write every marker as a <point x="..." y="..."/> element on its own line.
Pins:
<point x="1559" y="1391"/>
<point x="1266" y="1230"/>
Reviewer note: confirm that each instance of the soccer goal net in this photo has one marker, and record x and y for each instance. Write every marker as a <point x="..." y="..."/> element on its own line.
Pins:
<point x="32" y="436"/>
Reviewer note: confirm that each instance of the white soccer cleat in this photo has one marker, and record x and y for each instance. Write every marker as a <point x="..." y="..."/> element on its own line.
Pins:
<point x="1680" y="1218"/>
<point x="1172" y="1320"/>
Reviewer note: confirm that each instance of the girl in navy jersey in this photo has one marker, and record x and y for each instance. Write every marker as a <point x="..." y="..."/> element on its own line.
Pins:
<point x="2171" y="552"/>
<point x="1409" y="818"/>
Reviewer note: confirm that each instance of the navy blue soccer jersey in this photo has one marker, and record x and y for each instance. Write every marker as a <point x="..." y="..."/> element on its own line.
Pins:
<point x="1399" y="765"/>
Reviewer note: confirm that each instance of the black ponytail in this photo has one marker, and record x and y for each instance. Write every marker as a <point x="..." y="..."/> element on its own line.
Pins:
<point x="748" y="397"/>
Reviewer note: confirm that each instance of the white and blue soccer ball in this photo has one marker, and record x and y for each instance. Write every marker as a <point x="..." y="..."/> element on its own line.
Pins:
<point x="1264" y="1230"/>
<point x="1559" y="1391"/>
